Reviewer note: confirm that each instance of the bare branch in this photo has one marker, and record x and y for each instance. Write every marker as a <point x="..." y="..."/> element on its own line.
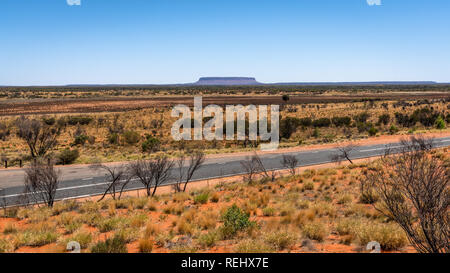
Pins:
<point x="41" y="181"/>
<point x="413" y="186"/>
<point x="344" y="152"/>
<point x="116" y="176"/>
<point x="290" y="162"/>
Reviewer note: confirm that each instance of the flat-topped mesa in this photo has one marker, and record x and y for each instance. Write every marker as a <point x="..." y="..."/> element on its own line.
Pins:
<point x="227" y="81"/>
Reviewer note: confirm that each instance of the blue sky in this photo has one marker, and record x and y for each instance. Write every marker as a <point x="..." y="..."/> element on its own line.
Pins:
<point x="175" y="41"/>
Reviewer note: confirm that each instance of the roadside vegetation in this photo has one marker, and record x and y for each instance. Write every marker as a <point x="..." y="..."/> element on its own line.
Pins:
<point x="145" y="133"/>
<point x="337" y="209"/>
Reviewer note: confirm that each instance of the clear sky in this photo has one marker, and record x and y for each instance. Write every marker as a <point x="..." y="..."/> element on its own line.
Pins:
<point x="48" y="42"/>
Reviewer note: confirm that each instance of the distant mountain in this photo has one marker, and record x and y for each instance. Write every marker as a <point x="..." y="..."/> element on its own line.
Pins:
<point x="227" y="81"/>
<point x="253" y="81"/>
<point x="233" y="81"/>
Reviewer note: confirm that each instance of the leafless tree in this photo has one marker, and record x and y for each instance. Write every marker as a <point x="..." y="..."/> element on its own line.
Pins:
<point x="290" y="162"/>
<point x="162" y="167"/>
<point x="185" y="172"/>
<point x="343" y="152"/>
<point x="413" y="186"/>
<point x="39" y="137"/>
<point x="251" y="169"/>
<point x="41" y="181"/>
<point x="116" y="176"/>
<point x="253" y="166"/>
<point x="152" y="173"/>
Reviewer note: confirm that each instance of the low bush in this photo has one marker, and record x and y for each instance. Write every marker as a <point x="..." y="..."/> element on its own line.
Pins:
<point x="151" y="144"/>
<point x="315" y="231"/>
<point x="131" y="137"/>
<point x="208" y="239"/>
<point x="68" y="156"/>
<point x="234" y="220"/>
<point x="201" y="198"/>
<point x="116" y="244"/>
<point x="280" y="240"/>
<point x="253" y="246"/>
<point x="145" y="245"/>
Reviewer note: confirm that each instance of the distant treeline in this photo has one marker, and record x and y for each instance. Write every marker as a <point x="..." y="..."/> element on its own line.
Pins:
<point x="271" y="89"/>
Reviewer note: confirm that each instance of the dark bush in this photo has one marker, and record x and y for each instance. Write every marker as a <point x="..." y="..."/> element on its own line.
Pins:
<point x="372" y="131"/>
<point x="363" y="127"/>
<point x="68" y="156"/>
<point x="151" y="144"/>
<point x="393" y="129"/>
<point x="426" y="116"/>
<point x="305" y="122"/>
<point x="362" y="117"/>
<point x="404" y="120"/>
<point x="113" y="138"/>
<point x="49" y="120"/>
<point x="384" y="119"/>
<point x="322" y="122"/>
<point x="288" y="126"/>
<point x="80" y="139"/>
<point x="81" y="120"/>
<point x="131" y="137"/>
<point x="341" y="121"/>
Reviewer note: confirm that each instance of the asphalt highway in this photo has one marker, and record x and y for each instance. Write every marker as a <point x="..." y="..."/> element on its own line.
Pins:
<point x="82" y="181"/>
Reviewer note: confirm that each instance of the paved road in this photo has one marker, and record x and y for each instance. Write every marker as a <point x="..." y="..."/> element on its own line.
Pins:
<point x="81" y="181"/>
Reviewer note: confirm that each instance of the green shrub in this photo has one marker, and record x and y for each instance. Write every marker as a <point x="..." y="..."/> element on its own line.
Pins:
<point x="341" y="121"/>
<point x="108" y="224"/>
<point x="372" y="131"/>
<point x="390" y="236"/>
<point x="49" y="120"/>
<point x="131" y="137"/>
<point x="234" y="220"/>
<point x="201" y="198"/>
<point x="113" y="138"/>
<point x="393" y="129"/>
<point x="440" y="123"/>
<point x="36" y="238"/>
<point x="322" y="122"/>
<point x="68" y="156"/>
<point x="80" y="140"/>
<point x="83" y="237"/>
<point x="384" y="119"/>
<point x="151" y="144"/>
<point x="115" y="244"/>
<point x="288" y="126"/>
<point x="81" y="120"/>
<point x="362" y="117"/>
